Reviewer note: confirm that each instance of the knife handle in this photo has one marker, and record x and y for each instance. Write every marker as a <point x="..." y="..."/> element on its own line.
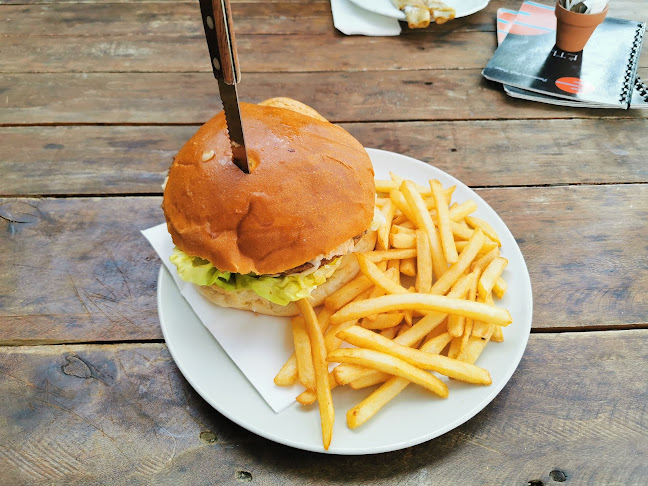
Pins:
<point x="219" y="32"/>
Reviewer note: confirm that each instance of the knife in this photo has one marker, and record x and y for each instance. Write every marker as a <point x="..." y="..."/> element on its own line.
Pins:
<point x="217" y="21"/>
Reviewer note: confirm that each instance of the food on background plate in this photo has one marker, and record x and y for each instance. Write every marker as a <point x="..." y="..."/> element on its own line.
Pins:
<point x="419" y="13"/>
<point x="404" y="323"/>
<point x="284" y="232"/>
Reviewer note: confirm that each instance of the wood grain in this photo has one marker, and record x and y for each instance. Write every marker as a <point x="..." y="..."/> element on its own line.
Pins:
<point x="135" y="159"/>
<point x="177" y="98"/>
<point x="97" y="279"/>
<point x="257" y="53"/>
<point x="171" y="18"/>
<point x="78" y="270"/>
<point x="251" y="17"/>
<point x="154" y="38"/>
<point x="123" y="414"/>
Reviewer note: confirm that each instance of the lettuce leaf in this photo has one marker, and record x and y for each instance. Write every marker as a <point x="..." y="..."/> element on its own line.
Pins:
<point x="281" y="290"/>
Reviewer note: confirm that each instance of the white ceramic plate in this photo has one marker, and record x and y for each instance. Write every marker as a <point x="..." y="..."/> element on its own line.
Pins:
<point x="463" y="8"/>
<point x="415" y="416"/>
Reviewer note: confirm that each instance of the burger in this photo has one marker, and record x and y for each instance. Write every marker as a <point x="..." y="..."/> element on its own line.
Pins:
<point x="283" y="232"/>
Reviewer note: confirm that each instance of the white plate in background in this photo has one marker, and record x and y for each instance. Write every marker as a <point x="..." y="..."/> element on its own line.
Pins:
<point x="463" y="8"/>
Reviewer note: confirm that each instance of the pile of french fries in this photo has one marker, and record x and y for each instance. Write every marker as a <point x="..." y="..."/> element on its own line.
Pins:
<point x="423" y="302"/>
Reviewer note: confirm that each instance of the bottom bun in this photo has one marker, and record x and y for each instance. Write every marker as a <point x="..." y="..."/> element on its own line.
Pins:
<point x="250" y="300"/>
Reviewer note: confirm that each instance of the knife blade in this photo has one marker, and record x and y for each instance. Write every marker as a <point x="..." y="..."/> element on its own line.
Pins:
<point x="219" y="32"/>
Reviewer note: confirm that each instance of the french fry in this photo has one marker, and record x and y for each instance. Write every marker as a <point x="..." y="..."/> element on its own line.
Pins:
<point x="423" y="263"/>
<point x="380" y="201"/>
<point x="423" y="220"/>
<point x="323" y="317"/>
<point x="375" y="292"/>
<point x="390" y="332"/>
<point x="455" y="348"/>
<point x="460" y="211"/>
<point x="437" y="343"/>
<point x="408" y="318"/>
<point x="482" y="262"/>
<point x="288" y="373"/>
<point x="371" y="378"/>
<point x="346" y="373"/>
<point x="367" y="408"/>
<point x="369" y="269"/>
<point x="364" y="338"/>
<point x="473" y="349"/>
<point x="486" y="247"/>
<point x="490" y="276"/>
<point x="433" y="319"/>
<point x="468" y="325"/>
<point x="426" y="302"/>
<point x="308" y="397"/>
<point x="408" y="267"/>
<point x="460" y="231"/>
<point x="383" y="321"/>
<point x="482" y="329"/>
<point x="437" y="330"/>
<point x="401" y="228"/>
<point x="499" y="289"/>
<point x="388" y="211"/>
<point x="347" y="292"/>
<point x="456" y="325"/>
<point x="498" y="335"/>
<point x="457" y="269"/>
<point x="395" y="265"/>
<point x="323" y="387"/>
<point x="400" y="218"/>
<point x="402" y="240"/>
<point x="380" y="255"/>
<point x="389" y="364"/>
<point x="303" y="353"/>
<point x="386" y="186"/>
<point x="443" y="215"/>
<point x="485" y="227"/>
<point x="400" y="202"/>
<point x="331" y="341"/>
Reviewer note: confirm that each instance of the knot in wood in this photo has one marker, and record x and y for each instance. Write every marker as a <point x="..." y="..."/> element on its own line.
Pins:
<point x="244" y="476"/>
<point x="75" y="366"/>
<point x="558" y="476"/>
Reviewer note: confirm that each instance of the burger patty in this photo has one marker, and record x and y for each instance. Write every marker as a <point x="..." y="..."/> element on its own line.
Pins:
<point x="308" y="265"/>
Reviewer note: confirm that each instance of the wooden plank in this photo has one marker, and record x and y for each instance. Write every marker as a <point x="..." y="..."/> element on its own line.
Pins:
<point x="140" y="53"/>
<point x="88" y="159"/>
<point x="123" y="414"/>
<point x="97" y="279"/>
<point x="95" y="282"/>
<point x="101" y="2"/>
<point x="585" y="249"/>
<point x="134" y="159"/>
<point x="182" y="18"/>
<point x="191" y="98"/>
<point x="137" y="52"/>
<point x="177" y="18"/>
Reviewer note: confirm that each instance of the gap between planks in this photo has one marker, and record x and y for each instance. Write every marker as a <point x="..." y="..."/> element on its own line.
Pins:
<point x="554" y="330"/>
<point x="159" y="194"/>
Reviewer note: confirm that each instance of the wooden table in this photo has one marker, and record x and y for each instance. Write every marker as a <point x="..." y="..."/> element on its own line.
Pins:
<point x="95" y="99"/>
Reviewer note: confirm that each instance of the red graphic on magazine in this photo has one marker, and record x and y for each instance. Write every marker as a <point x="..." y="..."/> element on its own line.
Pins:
<point x="573" y="85"/>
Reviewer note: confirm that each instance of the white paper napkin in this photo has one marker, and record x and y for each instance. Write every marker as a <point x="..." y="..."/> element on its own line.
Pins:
<point x="350" y="19"/>
<point x="258" y="345"/>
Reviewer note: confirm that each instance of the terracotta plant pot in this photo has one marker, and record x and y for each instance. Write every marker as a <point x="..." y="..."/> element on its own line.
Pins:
<point x="574" y="29"/>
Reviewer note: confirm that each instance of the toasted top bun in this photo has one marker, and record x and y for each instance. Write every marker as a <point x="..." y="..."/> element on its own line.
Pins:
<point x="310" y="190"/>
